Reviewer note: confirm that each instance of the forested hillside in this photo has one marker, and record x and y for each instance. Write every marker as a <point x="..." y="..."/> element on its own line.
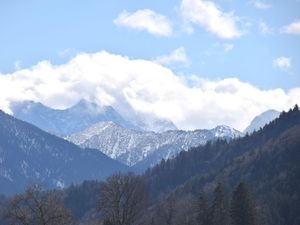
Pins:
<point x="268" y="161"/>
<point x="253" y="180"/>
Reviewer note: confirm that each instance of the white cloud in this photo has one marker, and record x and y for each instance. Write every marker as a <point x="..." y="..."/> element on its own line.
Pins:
<point x="264" y="28"/>
<point x="282" y="63"/>
<point x="207" y="15"/>
<point x="261" y="5"/>
<point x="145" y="20"/>
<point x="177" y="56"/>
<point x="146" y="87"/>
<point x="292" y="28"/>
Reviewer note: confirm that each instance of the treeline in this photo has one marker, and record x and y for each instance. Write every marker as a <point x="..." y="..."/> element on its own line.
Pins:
<point x="218" y="209"/>
<point x="124" y="200"/>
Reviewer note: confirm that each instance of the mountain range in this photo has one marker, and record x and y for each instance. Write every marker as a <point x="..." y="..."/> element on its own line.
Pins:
<point x="145" y="149"/>
<point x="30" y="155"/>
<point x="80" y="116"/>
<point x="266" y="160"/>
<point x="67" y="121"/>
<point x="133" y="143"/>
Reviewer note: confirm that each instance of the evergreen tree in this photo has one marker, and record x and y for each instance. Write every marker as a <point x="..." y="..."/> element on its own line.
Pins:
<point x="219" y="209"/>
<point x="296" y="108"/>
<point x="202" y="209"/>
<point x="242" y="209"/>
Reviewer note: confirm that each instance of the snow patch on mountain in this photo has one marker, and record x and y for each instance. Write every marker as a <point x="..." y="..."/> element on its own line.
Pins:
<point x="132" y="146"/>
<point x="261" y="120"/>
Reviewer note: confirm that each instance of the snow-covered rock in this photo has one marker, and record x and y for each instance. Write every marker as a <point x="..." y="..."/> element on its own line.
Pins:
<point x="131" y="146"/>
<point x="261" y="120"/>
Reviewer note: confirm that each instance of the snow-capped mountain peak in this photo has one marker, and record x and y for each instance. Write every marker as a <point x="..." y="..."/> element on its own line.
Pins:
<point x="222" y="131"/>
<point x="132" y="147"/>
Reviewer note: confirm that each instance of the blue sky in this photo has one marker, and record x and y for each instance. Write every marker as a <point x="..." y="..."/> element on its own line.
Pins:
<point x="182" y="60"/>
<point x="56" y="30"/>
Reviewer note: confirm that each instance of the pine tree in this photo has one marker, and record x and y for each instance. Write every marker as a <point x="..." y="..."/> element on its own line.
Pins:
<point x="202" y="209"/>
<point x="296" y="108"/>
<point x="219" y="208"/>
<point x="242" y="209"/>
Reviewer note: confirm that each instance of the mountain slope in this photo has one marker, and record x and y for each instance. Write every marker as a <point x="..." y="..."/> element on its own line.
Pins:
<point x="146" y="148"/>
<point x="268" y="160"/>
<point x="273" y="172"/>
<point x="214" y="156"/>
<point x="28" y="154"/>
<point x="67" y="121"/>
<point x="261" y="120"/>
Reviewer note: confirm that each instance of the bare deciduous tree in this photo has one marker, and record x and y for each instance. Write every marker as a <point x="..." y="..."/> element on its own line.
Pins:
<point x="37" y="207"/>
<point x="123" y="198"/>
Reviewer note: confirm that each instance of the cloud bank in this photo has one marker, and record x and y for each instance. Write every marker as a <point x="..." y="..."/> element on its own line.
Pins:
<point x="145" y="20"/>
<point x="207" y="15"/>
<point x="144" y="86"/>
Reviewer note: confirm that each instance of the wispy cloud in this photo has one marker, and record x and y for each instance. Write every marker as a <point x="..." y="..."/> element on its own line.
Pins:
<point x="292" y="28"/>
<point x="282" y="63"/>
<point x="65" y="52"/>
<point x="207" y="15"/>
<point x="18" y="64"/>
<point x="145" y="20"/>
<point x="178" y="56"/>
<point x="146" y="87"/>
<point x="264" y="28"/>
<point x="219" y="48"/>
<point x="228" y="47"/>
<point x="261" y="5"/>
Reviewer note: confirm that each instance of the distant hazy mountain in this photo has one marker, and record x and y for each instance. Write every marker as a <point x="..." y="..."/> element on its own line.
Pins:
<point x="261" y="120"/>
<point x="156" y="125"/>
<point x="68" y="121"/>
<point x="146" y="148"/>
<point x="30" y="155"/>
<point x="81" y="116"/>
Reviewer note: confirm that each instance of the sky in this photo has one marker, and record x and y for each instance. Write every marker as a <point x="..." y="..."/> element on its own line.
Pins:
<point x="198" y="63"/>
